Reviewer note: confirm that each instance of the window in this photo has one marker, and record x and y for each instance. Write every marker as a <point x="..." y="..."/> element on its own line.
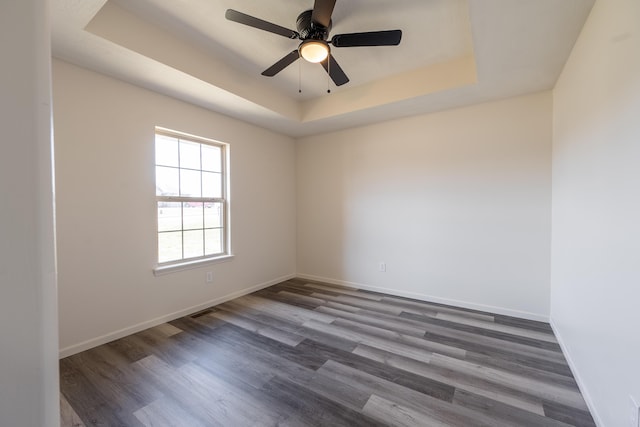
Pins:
<point x="191" y="195"/>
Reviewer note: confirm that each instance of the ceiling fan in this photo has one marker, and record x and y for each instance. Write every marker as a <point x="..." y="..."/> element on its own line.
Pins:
<point x="313" y="29"/>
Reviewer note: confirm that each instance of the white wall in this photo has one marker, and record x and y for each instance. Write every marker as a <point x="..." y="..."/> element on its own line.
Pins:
<point x="457" y="204"/>
<point x="28" y="322"/>
<point x="106" y="208"/>
<point x="595" y="290"/>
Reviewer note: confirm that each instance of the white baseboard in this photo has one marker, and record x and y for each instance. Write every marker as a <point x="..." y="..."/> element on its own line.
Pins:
<point x="94" y="342"/>
<point x="430" y="298"/>
<point x="576" y="375"/>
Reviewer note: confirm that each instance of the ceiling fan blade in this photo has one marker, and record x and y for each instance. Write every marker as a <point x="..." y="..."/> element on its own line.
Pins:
<point x="243" y="18"/>
<point x="335" y="72"/>
<point x="322" y="10"/>
<point x="373" y="38"/>
<point x="282" y="64"/>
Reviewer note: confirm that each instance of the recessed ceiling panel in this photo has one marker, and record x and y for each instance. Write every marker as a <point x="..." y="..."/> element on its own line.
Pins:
<point x="453" y="53"/>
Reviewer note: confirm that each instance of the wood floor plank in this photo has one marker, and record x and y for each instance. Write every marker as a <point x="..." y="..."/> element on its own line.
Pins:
<point x="292" y="299"/>
<point x="504" y="412"/>
<point x="578" y="417"/>
<point x="501" y="350"/>
<point x="496" y="392"/>
<point x="209" y="405"/>
<point x="382" y="322"/>
<point x="501" y="355"/>
<point x="293" y="328"/>
<point x="442" y="390"/>
<point x="282" y="311"/>
<point x="258" y="327"/>
<point x="419" y="325"/>
<point x="89" y="401"/>
<point x="532" y="386"/>
<point x="298" y="287"/>
<point x="337" y="391"/>
<point x="428" y="308"/>
<point x="310" y="409"/>
<point x="401" y="320"/>
<point x="359" y="302"/>
<point x="128" y="350"/>
<point x="233" y="407"/>
<point x="68" y="417"/>
<point x="340" y="393"/>
<point x="342" y="291"/>
<point x="400" y="338"/>
<point x="165" y="413"/>
<point x="433" y="408"/>
<point x="301" y="297"/>
<point x="155" y="342"/>
<point x="393" y="414"/>
<point x="520" y="369"/>
<point x="290" y="366"/>
<point x="487" y="332"/>
<point x="373" y="341"/>
<point x="107" y="372"/>
<point x="523" y="323"/>
<point x="200" y="326"/>
<point x="342" y="307"/>
<point x="306" y="353"/>
<point x="498" y="344"/>
<point x="412" y="320"/>
<point x="542" y="336"/>
<point x="241" y="342"/>
<point x="220" y="351"/>
<point x="166" y="329"/>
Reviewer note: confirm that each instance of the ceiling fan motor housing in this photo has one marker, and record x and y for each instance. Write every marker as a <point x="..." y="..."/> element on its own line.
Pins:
<point x="310" y="30"/>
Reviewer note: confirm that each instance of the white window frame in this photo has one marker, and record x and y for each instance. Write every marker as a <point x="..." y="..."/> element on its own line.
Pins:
<point x="194" y="262"/>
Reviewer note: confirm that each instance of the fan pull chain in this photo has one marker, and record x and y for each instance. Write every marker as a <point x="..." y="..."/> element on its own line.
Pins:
<point x="299" y="76"/>
<point x="328" y="72"/>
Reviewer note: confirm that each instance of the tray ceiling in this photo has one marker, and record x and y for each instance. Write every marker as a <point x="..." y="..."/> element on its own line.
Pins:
<point x="453" y="53"/>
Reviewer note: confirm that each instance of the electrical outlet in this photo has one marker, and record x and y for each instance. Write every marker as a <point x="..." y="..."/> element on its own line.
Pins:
<point x="382" y="267"/>
<point x="634" y="416"/>
<point x="209" y="277"/>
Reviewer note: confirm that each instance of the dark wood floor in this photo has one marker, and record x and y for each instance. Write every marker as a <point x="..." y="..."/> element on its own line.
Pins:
<point x="300" y="353"/>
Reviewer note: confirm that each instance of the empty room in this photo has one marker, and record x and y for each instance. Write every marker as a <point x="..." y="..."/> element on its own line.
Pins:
<point x="320" y="213"/>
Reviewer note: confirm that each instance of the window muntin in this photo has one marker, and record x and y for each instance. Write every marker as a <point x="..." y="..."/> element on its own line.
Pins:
<point x="191" y="195"/>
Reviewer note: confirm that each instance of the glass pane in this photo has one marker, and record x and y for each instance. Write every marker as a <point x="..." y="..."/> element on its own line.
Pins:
<point x="169" y="246"/>
<point x="192" y="215"/>
<point x="166" y="151"/>
<point x="211" y="158"/>
<point x="169" y="216"/>
<point x="213" y="241"/>
<point x="211" y="184"/>
<point x="193" y="245"/>
<point x="190" y="183"/>
<point x="167" y="181"/>
<point x="189" y="155"/>
<point x="212" y="215"/>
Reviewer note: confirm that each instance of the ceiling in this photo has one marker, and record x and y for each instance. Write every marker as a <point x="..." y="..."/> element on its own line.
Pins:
<point x="453" y="53"/>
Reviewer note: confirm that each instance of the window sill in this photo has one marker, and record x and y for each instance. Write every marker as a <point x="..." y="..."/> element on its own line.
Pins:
<point x="188" y="265"/>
